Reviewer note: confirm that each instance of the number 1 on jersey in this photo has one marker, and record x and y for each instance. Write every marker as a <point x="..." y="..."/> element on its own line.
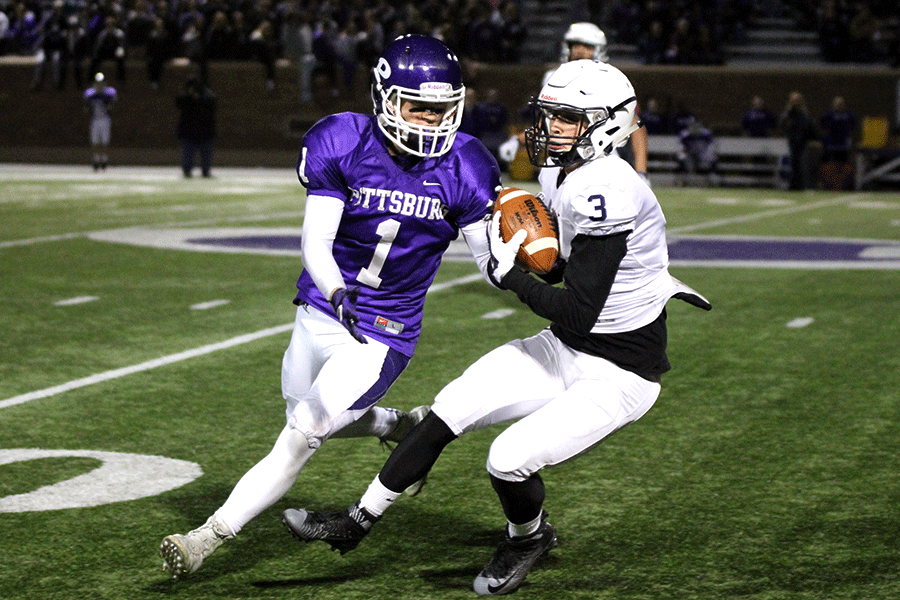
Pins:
<point x="388" y="231"/>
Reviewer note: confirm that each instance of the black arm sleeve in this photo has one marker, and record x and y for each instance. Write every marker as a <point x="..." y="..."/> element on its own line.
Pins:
<point x="588" y="277"/>
<point x="556" y="273"/>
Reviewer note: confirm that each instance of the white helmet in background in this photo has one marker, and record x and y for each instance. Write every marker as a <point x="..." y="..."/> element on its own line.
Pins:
<point x="587" y="34"/>
<point x="597" y="95"/>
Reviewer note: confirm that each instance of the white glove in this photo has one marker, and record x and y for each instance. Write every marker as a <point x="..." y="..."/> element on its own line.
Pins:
<point x="508" y="149"/>
<point x="503" y="254"/>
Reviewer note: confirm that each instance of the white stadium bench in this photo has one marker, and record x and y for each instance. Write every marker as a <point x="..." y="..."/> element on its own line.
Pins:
<point x="743" y="161"/>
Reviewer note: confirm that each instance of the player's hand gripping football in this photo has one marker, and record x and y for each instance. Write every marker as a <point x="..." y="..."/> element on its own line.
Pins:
<point x="344" y="303"/>
<point x="503" y="254"/>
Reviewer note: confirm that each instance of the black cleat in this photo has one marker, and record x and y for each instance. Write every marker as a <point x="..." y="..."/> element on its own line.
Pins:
<point x="336" y="528"/>
<point x="512" y="560"/>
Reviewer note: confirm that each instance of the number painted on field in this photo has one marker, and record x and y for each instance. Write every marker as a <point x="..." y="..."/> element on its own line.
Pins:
<point x="121" y="477"/>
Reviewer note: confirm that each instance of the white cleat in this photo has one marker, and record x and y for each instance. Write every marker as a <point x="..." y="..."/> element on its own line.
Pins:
<point x="183" y="554"/>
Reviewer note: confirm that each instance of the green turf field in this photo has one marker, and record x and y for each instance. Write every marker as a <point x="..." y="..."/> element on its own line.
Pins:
<point x="768" y="469"/>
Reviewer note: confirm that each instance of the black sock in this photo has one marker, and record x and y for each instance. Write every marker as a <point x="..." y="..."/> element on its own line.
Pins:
<point x="521" y="500"/>
<point x="416" y="453"/>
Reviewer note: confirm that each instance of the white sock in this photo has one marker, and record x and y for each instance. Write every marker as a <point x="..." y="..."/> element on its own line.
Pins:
<point x="525" y="529"/>
<point x="378" y="498"/>
<point x="267" y="481"/>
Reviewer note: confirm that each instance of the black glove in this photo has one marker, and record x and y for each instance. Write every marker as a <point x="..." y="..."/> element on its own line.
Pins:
<point x="344" y="303"/>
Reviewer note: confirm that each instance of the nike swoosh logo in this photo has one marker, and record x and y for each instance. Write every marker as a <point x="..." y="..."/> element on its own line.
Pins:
<point x="431" y="183"/>
<point x="493" y="589"/>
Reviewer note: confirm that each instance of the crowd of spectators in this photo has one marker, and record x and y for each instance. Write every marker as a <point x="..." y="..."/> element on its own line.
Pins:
<point x="332" y="38"/>
<point x="859" y="32"/>
<point x="681" y="32"/>
<point x="678" y="32"/>
<point x="335" y="39"/>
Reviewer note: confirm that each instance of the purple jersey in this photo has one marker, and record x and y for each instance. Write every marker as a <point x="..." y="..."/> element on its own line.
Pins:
<point x="397" y="221"/>
<point x="99" y="100"/>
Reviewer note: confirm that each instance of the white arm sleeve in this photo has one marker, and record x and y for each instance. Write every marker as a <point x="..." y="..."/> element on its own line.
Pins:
<point x="320" y="225"/>
<point x="476" y="236"/>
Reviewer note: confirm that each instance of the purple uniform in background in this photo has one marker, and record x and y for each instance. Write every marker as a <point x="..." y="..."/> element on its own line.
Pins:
<point x="397" y="220"/>
<point x="99" y="100"/>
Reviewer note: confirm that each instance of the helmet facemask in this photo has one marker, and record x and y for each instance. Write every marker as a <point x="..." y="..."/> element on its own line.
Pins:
<point x="415" y="138"/>
<point x="593" y="139"/>
<point x="422" y="70"/>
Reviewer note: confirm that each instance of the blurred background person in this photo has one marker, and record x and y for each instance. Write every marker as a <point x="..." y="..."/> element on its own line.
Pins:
<point x="196" y="129"/>
<point x="654" y="121"/>
<point x="265" y="50"/>
<point x="803" y="139"/>
<point x="838" y="127"/>
<point x="758" y="121"/>
<point x="697" y="154"/>
<point x="110" y="46"/>
<point x="98" y="99"/>
<point x="490" y="122"/>
<point x="838" y="131"/>
<point x="160" y="49"/>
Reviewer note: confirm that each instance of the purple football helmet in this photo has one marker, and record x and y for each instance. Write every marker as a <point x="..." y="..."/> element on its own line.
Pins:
<point x="421" y="69"/>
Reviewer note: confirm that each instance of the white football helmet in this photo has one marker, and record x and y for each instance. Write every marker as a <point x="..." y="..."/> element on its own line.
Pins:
<point x="597" y="95"/>
<point x="587" y="34"/>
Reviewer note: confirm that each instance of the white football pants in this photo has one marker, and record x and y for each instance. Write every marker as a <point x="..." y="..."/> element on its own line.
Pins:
<point x="325" y="372"/>
<point x="566" y="402"/>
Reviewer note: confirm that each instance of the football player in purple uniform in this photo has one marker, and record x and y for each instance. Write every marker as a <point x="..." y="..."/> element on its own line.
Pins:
<point x="386" y="194"/>
<point x="98" y="99"/>
<point x="596" y="368"/>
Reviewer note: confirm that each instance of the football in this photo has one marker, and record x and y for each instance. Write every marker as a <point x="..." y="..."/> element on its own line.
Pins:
<point x="520" y="209"/>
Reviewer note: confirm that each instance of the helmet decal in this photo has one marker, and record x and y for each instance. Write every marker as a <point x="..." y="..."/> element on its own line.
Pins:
<point x="383" y="68"/>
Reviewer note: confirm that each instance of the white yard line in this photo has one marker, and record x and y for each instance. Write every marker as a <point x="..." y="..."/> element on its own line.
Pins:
<point x="38" y="240"/>
<point x="144" y="366"/>
<point x="18" y="172"/>
<point x="181" y="356"/>
<point x="764" y="214"/>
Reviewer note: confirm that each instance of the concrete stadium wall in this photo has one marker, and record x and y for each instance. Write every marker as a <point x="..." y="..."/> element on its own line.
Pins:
<point x="257" y="128"/>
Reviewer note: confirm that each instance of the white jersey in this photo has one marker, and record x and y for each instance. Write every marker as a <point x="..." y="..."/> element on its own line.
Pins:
<point x="603" y="197"/>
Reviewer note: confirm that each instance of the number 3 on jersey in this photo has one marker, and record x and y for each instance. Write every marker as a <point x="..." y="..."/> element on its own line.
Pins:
<point x="597" y="202"/>
<point x="388" y="231"/>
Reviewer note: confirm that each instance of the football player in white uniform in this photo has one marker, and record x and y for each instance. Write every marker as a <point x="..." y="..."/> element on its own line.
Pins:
<point x="603" y="355"/>
<point x="585" y="40"/>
